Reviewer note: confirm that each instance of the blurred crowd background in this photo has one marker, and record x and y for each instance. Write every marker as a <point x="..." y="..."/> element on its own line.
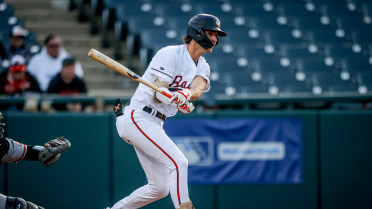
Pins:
<point x="279" y="54"/>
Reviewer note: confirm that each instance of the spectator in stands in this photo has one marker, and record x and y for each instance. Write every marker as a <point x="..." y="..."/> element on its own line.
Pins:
<point x="67" y="83"/>
<point x="17" y="81"/>
<point x="17" y="44"/>
<point x="45" y="65"/>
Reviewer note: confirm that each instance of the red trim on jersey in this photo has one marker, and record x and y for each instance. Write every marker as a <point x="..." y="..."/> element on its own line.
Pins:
<point x="184" y="94"/>
<point x="178" y="189"/>
<point x="23" y="154"/>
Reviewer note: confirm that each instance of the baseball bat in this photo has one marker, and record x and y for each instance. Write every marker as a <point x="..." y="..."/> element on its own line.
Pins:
<point x="105" y="60"/>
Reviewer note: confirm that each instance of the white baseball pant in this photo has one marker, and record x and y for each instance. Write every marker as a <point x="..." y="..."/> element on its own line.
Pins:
<point x="164" y="164"/>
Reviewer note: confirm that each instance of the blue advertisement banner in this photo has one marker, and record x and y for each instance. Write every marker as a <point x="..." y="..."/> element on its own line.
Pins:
<point x="240" y="151"/>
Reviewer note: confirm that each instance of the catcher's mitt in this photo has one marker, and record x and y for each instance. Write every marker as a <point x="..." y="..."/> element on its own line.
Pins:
<point x="52" y="150"/>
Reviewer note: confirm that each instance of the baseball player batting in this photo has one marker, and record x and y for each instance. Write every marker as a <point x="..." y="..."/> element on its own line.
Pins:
<point x="182" y="72"/>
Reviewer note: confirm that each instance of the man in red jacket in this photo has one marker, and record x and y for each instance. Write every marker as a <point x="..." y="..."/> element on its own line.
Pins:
<point x="17" y="81"/>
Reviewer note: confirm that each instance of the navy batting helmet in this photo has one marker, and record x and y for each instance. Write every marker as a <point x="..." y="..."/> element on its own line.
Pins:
<point x="201" y="22"/>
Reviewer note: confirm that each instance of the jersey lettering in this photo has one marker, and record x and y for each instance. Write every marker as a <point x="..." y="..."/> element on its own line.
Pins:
<point x="177" y="82"/>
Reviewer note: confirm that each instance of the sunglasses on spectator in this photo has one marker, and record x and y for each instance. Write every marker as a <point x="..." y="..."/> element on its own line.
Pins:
<point x="53" y="45"/>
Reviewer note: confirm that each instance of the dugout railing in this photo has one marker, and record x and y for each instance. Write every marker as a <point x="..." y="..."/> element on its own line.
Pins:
<point x="209" y="103"/>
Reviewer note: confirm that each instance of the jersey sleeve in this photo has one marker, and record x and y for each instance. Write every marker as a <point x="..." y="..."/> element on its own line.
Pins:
<point x="16" y="151"/>
<point x="205" y="71"/>
<point x="164" y="64"/>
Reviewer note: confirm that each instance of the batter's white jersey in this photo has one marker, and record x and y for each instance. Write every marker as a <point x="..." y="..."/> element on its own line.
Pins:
<point x="164" y="164"/>
<point x="174" y="65"/>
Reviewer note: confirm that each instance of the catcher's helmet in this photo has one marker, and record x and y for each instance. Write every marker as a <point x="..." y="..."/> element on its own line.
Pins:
<point x="201" y="22"/>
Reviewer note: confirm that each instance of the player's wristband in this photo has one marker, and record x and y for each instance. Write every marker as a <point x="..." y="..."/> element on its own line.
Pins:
<point x="32" y="153"/>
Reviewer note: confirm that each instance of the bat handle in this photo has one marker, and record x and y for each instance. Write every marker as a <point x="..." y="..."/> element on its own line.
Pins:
<point x="166" y="94"/>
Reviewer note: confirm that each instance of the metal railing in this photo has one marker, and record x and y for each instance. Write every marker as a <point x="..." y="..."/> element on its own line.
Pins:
<point x="207" y="102"/>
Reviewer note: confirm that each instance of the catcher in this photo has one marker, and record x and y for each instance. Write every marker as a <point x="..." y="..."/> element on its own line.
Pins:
<point x="12" y="151"/>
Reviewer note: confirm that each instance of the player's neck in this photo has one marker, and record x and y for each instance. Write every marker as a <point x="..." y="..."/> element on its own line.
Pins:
<point x="194" y="51"/>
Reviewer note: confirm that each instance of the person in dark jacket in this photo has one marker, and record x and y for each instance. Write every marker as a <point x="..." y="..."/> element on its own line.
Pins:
<point x="67" y="83"/>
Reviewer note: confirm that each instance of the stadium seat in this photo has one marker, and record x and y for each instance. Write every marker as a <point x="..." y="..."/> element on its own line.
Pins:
<point x="331" y="83"/>
<point x="267" y="66"/>
<point x="125" y="15"/>
<point x="108" y="18"/>
<point x="242" y="37"/>
<point x="265" y="23"/>
<point x="313" y="66"/>
<point x="7" y="18"/>
<point x="364" y="81"/>
<point x="321" y="38"/>
<point x="218" y="53"/>
<point x="292" y="9"/>
<point x="359" y="64"/>
<point x="250" y="9"/>
<point x="251" y="53"/>
<point x="350" y="25"/>
<point x="6" y="11"/>
<point x="362" y="37"/>
<point x="135" y="25"/>
<point x="172" y="10"/>
<point x="178" y="23"/>
<point x="282" y="37"/>
<point x="116" y="12"/>
<point x="289" y="55"/>
<point x="217" y="88"/>
<point x="151" y="41"/>
<point x="213" y="9"/>
<point x="290" y="45"/>
<point x="330" y="9"/>
<point x="364" y="8"/>
<point x="228" y="63"/>
<point x="339" y="52"/>
<point x="296" y="52"/>
<point x="306" y="24"/>
<point x="240" y="83"/>
<point x="287" y="83"/>
<point x="232" y="22"/>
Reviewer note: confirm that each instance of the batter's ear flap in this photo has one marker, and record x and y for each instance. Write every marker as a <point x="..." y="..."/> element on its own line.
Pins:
<point x="203" y="40"/>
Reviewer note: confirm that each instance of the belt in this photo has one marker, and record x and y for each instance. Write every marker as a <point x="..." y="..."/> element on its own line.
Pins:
<point x="156" y="113"/>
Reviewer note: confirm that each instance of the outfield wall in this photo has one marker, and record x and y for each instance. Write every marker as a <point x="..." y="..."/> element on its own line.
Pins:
<point x="100" y="168"/>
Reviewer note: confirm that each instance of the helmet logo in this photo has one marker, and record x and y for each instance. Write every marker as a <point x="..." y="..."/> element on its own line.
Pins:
<point x="218" y="23"/>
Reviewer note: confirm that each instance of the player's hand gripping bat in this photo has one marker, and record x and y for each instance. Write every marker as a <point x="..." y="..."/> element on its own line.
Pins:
<point x="105" y="60"/>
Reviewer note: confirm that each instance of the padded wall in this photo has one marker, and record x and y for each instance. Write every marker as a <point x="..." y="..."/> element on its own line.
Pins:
<point x="346" y="142"/>
<point x="80" y="179"/>
<point x="100" y="168"/>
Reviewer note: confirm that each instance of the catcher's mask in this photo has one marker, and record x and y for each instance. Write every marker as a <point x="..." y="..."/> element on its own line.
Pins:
<point x="197" y="26"/>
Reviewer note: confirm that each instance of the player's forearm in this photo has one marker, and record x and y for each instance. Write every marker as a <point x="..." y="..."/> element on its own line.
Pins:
<point x="197" y="87"/>
<point x="196" y="94"/>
